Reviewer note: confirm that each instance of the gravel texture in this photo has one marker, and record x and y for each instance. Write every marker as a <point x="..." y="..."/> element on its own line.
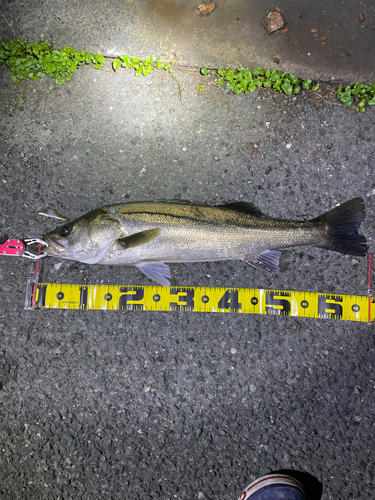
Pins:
<point x="180" y="405"/>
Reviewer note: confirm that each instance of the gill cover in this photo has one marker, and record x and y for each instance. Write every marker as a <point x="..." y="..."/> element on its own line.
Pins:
<point x="86" y="239"/>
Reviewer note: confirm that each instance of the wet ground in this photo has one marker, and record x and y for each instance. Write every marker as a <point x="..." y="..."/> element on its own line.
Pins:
<point x="179" y="405"/>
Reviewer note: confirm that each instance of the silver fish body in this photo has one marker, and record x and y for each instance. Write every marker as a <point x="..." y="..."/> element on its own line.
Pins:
<point x="150" y="234"/>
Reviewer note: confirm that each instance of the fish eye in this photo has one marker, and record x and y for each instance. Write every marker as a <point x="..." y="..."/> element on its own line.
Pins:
<point x="65" y="231"/>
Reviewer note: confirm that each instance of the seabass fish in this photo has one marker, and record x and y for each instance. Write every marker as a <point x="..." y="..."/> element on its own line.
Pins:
<point x="149" y="234"/>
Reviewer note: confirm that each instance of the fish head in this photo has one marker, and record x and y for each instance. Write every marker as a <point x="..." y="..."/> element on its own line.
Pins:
<point x="86" y="239"/>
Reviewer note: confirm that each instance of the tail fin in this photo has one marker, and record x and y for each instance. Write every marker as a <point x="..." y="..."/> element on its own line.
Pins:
<point x="344" y="222"/>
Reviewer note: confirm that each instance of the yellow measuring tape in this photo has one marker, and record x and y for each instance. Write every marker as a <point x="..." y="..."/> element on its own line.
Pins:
<point x="204" y="299"/>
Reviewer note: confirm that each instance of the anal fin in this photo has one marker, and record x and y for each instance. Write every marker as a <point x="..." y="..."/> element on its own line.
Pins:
<point x="266" y="261"/>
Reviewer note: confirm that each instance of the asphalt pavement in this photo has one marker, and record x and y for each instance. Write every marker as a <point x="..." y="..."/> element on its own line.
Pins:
<point x="174" y="405"/>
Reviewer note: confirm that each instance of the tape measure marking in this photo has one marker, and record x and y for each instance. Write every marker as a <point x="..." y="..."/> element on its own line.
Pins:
<point x="205" y="299"/>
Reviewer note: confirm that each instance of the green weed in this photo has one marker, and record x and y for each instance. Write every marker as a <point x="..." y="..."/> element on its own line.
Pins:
<point x="41" y="59"/>
<point x="247" y="80"/>
<point x="359" y="94"/>
<point x="141" y="67"/>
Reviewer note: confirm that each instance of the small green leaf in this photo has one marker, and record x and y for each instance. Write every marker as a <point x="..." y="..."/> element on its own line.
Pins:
<point x="258" y="71"/>
<point x="116" y="64"/>
<point x="204" y="70"/>
<point x="346" y="97"/>
<point x="276" y="75"/>
<point x="287" y="87"/>
<point x="267" y="73"/>
<point x="50" y="68"/>
<point x="315" y="87"/>
<point x="240" y="87"/>
<point x="15" y="79"/>
<point x="11" y="62"/>
<point x="59" y="80"/>
<point x="126" y="61"/>
<point x="68" y="78"/>
<point x="221" y="72"/>
<point x="46" y="46"/>
<point x="220" y="81"/>
<point x="251" y="86"/>
<point x="297" y="89"/>
<point x="87" y="58"/>
<point x="19" y="66"/>
<point x="149" y="60"/>
<point x="371" y="102"/>
<point x="100" y="59"/>
<point x="29" y="62"/>
<point x="138" y="73"/>
<point x="247" y="76"/>
<point x="135" y="60"/>
<point x="239" y="76"/>
<point x="97" y="66"/>
<point x="60" y="68"/>
<point x="20" y="101"/>
<point x="267" y="83"/>
<point x="39" y="73"/>
<point x="147" y="70"/>
<point x="306" y="83"/>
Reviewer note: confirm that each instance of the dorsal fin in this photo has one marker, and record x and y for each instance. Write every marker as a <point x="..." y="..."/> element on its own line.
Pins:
<point x="243" y="207"/>
<point x="238" y="206"/>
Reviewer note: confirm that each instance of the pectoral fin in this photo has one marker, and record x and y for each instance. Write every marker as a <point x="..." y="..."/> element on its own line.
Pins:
<point x="157" y="271"/>
<point x="136" y="239"/>
<point x="267" y="261"/>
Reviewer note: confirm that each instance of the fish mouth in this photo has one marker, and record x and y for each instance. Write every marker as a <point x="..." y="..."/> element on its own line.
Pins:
<point x="54" y="247"/>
